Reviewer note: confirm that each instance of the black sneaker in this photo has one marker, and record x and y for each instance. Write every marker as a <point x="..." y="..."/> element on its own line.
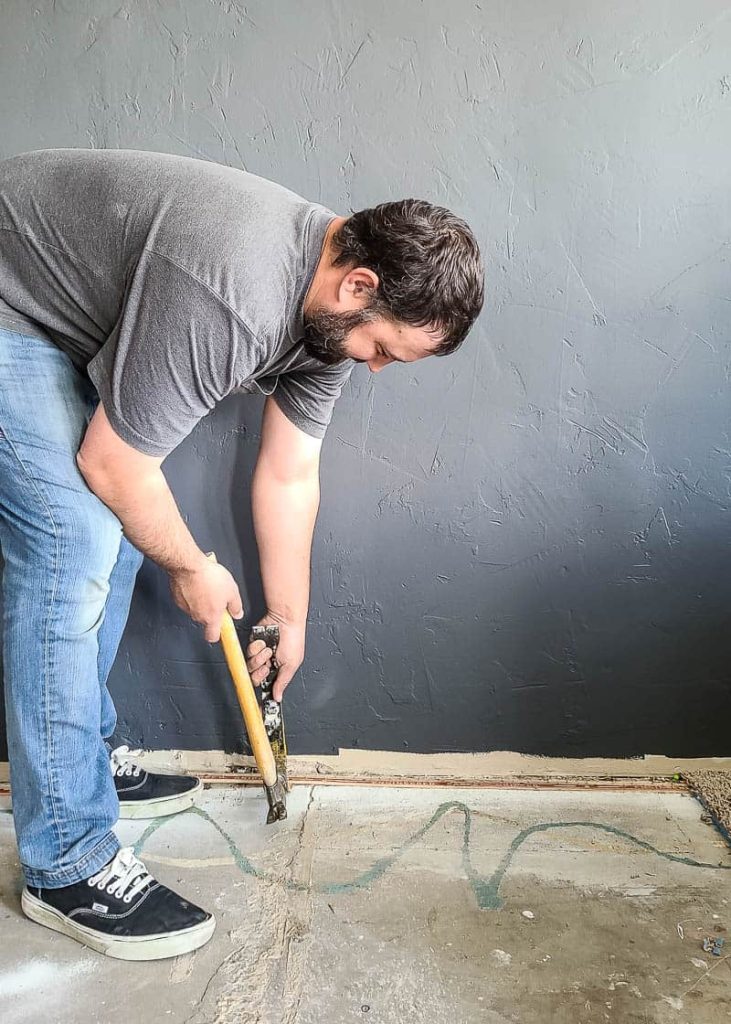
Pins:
<point x="123" y="912"/>
<point x="147" y="795"/>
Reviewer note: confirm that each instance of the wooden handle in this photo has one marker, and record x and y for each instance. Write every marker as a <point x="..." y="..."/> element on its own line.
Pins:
<point x="260" y="746"/>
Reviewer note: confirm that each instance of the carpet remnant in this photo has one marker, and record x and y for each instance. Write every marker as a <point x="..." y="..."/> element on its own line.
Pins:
<point x="713" y="789"/>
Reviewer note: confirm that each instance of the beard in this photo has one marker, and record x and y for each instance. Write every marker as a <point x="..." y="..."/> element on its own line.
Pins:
<point x="326" y="333"/>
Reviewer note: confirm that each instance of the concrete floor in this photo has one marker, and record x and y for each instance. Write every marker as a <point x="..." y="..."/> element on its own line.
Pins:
<point x="383" y="906"/>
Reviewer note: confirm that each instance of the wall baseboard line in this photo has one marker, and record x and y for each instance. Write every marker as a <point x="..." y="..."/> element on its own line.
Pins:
<point x="395" y="768"/>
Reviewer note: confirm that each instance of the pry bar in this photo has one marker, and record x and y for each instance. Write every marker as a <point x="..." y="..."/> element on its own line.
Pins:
<point x="271" y="711"/>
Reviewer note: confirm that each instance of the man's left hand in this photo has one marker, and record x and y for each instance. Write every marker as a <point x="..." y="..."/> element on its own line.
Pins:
<point x="290" y="655"/>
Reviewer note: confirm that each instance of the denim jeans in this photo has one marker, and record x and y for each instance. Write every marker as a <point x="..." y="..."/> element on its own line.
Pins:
<point x="67" y="585"/>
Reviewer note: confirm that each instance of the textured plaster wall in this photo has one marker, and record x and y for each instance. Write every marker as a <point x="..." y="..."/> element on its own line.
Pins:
<point x="524" y="546"/>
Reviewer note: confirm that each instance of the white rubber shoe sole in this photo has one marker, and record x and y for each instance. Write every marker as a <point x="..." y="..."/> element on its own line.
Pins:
<point x="149" y="947"/>
<point x="160" y="808"/>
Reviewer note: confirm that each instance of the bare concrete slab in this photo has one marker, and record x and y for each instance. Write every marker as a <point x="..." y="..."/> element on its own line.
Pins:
<point x="383" y="905"/>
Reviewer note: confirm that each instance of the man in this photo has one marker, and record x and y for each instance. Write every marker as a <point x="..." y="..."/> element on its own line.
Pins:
<point x="137" y="290"/>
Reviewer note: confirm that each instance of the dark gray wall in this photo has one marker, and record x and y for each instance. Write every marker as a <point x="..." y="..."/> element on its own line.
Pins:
<point x="525" y="546"/>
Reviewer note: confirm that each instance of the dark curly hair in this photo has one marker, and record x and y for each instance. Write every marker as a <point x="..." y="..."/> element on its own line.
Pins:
<point x="428" y="265"/>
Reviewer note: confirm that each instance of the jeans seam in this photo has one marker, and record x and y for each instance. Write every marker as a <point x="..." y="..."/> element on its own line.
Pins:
<point x="60" y="832"/>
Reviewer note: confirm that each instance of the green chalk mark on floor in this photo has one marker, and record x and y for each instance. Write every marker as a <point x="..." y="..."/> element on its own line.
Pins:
<point x="486" y="890"/>
<point x="487" y="893"/>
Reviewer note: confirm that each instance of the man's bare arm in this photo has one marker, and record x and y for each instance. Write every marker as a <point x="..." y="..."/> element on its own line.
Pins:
<point x="285" y="501"/>
<point x="134" y="487"/>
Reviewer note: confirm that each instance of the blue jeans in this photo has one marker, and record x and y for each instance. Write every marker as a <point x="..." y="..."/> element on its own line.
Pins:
<point x="67" y="586"/>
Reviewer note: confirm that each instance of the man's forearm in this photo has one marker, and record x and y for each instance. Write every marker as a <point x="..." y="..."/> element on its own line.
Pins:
<point x="150" y="517"/>
<point x="133" y="486"/>
<point x="284" y="520"/>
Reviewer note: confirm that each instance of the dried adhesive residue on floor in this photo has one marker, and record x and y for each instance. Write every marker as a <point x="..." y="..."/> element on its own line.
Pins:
<point x="388" y="905"/>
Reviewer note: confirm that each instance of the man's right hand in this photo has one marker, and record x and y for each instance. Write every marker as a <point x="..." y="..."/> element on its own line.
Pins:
<point x="205" y="593"/>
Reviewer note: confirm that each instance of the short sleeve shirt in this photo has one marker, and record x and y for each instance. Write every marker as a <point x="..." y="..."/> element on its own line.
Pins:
<point x="172" y="282"/>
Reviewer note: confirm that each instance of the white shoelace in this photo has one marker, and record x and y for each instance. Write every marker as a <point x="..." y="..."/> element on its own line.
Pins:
<point x="119" y="761"/>
<point x="124" y="877"/>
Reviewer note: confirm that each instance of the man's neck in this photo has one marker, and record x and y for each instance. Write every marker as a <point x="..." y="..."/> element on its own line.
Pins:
<point x="323" y="280"/>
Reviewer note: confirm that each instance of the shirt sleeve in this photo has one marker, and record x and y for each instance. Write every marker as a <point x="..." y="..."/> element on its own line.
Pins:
<point x="174" y="353"/>
<point x="307" y="397"/>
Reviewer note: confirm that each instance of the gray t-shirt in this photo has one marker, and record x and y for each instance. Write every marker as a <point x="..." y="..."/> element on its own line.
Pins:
<point x="171" y="281"/>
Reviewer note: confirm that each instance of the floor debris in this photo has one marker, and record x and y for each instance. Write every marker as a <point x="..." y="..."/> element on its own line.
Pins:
<point x="713" y="789"/>
<point x="713" y="945"/>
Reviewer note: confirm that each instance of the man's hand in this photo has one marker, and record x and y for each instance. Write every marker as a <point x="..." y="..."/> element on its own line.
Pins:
<point x="205" y="592"/>
<point x="290" y="655"/>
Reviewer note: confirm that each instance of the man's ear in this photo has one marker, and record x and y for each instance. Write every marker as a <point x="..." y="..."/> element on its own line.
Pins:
<point x="358" y="286"/>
